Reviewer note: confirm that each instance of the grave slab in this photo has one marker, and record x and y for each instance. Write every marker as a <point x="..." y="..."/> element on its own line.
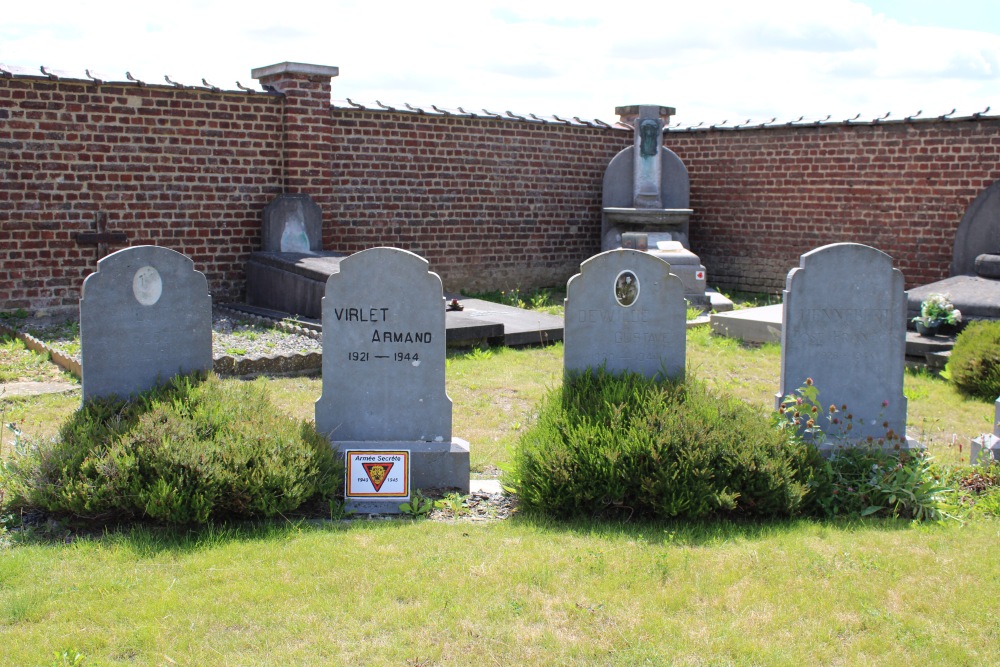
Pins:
<point x="519" y="326"/>
<point x="292" y="282"/>
<point x="755" y="325"/>
<point x="625" y="311"/>
<point x="145" y="316"/>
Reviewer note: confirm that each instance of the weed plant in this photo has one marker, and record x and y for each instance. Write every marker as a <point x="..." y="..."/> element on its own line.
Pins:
<point x="625" y="445"/>
<point x="872" y="477"/>
<point x="17" y="362"/>
<point x="183" y="453"/>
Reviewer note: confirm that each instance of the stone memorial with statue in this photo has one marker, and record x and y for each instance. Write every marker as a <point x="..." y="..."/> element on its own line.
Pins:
<point x="645" y="203"/>
<point x="290" y="271"/>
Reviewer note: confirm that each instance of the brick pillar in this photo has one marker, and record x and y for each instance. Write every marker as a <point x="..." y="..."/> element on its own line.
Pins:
<point x="308" y="165"/>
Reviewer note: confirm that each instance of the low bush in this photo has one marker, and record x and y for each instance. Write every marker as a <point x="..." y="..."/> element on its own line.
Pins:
<point x="186" y="452"/>
<point x="974" y="365"/>
<point x="605" y="444"/>
<point x="871" y="481"/>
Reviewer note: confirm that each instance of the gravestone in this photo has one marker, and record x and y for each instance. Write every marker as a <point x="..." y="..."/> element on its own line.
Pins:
<point x="844" y="326"/>
<point x="384" y="365"/>
<point x="974" y="283"/>
<point x="145" y="316"/>
<point x="625" y="310"/>
<point x="290" y="271"/>
<point x="292" y="223"/>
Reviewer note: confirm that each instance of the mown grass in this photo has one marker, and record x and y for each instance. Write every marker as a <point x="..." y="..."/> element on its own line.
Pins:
<point x="524" y="592"/>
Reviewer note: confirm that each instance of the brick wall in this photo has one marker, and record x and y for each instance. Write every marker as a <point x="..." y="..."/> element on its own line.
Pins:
<point x="763" y="197"/>
<point x="186" y="169"/>
<point x="490" y="202"/>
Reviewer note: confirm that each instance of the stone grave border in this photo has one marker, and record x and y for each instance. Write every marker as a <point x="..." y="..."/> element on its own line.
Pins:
<point x="61" y="359"/>
<point x="299" y="363"/>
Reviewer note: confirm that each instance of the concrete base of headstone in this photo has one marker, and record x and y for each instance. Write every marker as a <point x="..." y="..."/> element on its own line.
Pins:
<point x="988" y="442"/>
<point x="374" y="506"/>
<point x="433" y="465"/>
<point x="828" y="449"/>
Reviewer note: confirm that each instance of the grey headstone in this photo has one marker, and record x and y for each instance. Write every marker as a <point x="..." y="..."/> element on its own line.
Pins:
<point x="978" y="233"/>
<point x="145" y="316"/>
<point x="625" y="310"/>
<point x="292" y="223"/>
<point x="384" y="351"/>
<point x="844" y="326"/>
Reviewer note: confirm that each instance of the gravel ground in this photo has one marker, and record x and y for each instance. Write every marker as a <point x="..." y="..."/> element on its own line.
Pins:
<point x="239" y="337"/>
<point x="232" y="334"/>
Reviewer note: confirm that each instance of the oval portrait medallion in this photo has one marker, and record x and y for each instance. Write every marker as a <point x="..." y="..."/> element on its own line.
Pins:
<point x="147" y="286"/>
<point x="626" y="288"/>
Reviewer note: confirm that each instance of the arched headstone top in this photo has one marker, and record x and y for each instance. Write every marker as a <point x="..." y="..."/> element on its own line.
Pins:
<point x="292" y="223"/>
<point x="145" y="316"/>
<point x="384" y="351"/>
<point x="978" y="232"/>
<point x="625" y="311"/>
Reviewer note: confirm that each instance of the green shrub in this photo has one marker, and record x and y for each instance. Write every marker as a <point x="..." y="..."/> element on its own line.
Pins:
<point x="974" y="365"/>
<point x="183" y="453"/>
<point x="627" y="445"/>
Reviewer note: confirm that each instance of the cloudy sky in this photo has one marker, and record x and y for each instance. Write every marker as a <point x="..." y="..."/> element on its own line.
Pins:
<point x="713" y="61"/>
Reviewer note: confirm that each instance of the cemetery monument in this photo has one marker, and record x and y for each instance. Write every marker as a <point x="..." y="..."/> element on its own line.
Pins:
<point x="645" y="202"/>
<point x="844" y="315"/>
<point x="384" y="365"/>
<point x="145" y="316"/>
<point x="625" y="311"/>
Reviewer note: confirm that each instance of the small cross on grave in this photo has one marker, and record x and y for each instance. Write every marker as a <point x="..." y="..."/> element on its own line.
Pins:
<point x="101" y="237"/>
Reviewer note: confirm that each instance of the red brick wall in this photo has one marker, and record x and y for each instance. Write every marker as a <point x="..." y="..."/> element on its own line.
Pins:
<point x="186" y="169"/>
<point x="491" y="203"/>
<point x="763" y="197"/>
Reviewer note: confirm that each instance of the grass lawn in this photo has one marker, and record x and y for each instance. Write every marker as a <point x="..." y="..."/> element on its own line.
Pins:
<point x="524" y="591"/>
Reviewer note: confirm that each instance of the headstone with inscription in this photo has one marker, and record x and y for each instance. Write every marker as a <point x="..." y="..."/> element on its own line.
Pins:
<point x="145" y="316"/>
<point x="845" y="329"/>
<point x="384" y="365"/>
<point x="625" y="311"/>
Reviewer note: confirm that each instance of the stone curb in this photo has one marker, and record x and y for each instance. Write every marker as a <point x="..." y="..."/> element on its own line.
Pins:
<point x="64" y="361"/>
<point x="299" y="363"/>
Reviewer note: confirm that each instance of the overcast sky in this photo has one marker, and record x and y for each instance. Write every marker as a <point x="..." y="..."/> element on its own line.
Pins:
<point x="713" y="61"/>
